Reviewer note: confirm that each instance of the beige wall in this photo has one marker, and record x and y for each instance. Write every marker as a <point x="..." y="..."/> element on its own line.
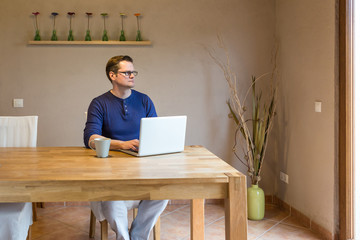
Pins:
<point x="307" y="149"/>
<point x="58" y="82"/>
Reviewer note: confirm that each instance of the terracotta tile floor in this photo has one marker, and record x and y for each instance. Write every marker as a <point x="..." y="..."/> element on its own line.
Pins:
<point x="72" y="223"/>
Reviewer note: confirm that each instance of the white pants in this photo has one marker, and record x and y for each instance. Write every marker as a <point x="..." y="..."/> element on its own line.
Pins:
<point x="149" y="211"/>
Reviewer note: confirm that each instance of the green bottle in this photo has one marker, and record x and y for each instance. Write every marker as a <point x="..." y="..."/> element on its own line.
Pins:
<point x="138" y="36"/>
<point x="70" y="37"/>
<point x="54" y="37"/>
<point x="122" y="36"/>
<point x="37" y="36"/>
<point x="88" y="36"/>
<point x="105" y="37"/>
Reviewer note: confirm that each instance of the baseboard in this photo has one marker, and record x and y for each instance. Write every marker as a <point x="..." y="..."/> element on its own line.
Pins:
<point x="302" y="218"/>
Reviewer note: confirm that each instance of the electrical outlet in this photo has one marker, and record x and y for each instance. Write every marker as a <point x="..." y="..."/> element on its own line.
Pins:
<point x="284" y="177"/>
<point x="318" y="106"/>
<point x="18" y="103"/>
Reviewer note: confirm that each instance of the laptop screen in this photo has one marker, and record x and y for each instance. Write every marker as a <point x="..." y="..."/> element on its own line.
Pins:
<point x="159" y="135"/>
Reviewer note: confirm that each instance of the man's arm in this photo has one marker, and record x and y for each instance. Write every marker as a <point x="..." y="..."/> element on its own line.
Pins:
<point x="93" y="129"/>
<point x="117" y="144"/>
<point x="150" y="107"/>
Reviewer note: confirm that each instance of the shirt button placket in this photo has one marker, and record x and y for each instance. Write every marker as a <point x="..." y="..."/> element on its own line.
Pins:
<point x="125" y="107"/>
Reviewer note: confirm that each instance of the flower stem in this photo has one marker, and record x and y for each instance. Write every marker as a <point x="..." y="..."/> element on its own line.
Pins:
<point x="137" y="18"/>
<point x="122" y="23"/>
<point x="37" y="27"/>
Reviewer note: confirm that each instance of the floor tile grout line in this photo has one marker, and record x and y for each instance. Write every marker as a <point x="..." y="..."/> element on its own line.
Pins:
<point x="206" y="225"/>
<point x="59" y="222"/>
<point x="56" y="210"/>
<point x="281" y="221"/>
<point x="67" y="224"/>
<point x="289" y="224"/>
<point x="216" y="220"/>
<point x="276" y="220"/>
<point x="258" y="237"/>
<point x="178" y="209"/>
<point x="297" y="226"/>
<point x="41" y="214"/>
<point x="71" y="227"/>
<point x="182" y="207"/>
<point x="185" y="238"/>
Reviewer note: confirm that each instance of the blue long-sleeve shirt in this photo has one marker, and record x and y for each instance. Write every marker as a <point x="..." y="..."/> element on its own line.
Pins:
<point x="117" y="118"/>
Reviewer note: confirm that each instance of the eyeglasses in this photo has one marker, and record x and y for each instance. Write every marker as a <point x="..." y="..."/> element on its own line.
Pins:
<point x="128" y="73"/>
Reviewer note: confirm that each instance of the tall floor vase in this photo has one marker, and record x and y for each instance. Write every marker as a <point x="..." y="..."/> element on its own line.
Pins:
<point x="256" y="203"/>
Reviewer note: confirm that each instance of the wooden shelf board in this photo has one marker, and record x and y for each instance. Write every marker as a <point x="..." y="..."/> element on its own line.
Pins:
<point x="139" y="43"/>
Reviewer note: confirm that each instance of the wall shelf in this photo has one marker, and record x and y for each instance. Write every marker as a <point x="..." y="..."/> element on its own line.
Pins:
<point x="126" y="43"/>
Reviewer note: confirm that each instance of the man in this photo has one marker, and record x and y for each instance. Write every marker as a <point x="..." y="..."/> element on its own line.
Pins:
<point x="116" y="114"/>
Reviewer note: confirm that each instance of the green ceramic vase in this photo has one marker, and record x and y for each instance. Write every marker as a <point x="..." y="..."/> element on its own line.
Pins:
<point x="255" y="202"/>
<point x="37" y="36"/>
<point x="88" y="36"/>
<point x="138" y="36"/>
<point x="70" y="36"/>
<point x="54" y="36"/>
<point x="105" y="36"/>
<point x="122" y="36"/>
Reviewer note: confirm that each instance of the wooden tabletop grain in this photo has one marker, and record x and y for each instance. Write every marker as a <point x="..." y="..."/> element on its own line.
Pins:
<point x="51" y="174"/>
<point x="78" y="163"/>
<point x="76" y="174"/>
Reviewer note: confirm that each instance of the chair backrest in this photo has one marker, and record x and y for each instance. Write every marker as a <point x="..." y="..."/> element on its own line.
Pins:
<point x="18" y="131"/>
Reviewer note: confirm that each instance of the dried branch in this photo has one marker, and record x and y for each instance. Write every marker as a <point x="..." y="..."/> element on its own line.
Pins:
<point x="256" y="142"/>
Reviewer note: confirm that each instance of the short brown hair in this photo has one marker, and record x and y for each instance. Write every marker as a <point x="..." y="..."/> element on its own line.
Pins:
<point x="113" y="64"/>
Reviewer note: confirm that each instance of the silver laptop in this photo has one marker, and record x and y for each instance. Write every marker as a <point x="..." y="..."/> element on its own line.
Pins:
<point x="160" y="135"/>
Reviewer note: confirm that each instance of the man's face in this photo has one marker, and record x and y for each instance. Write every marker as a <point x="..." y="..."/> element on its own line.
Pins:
<point x="120" y="77"/>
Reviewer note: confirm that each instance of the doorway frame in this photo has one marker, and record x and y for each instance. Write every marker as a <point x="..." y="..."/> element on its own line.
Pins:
<point x="346" y="208"/>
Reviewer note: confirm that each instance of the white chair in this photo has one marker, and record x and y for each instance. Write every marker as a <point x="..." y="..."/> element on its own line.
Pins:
<point x="18" y="131"/>
<point x="16" y="218"/>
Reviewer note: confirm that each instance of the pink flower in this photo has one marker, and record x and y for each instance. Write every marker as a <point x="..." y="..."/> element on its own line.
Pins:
<point x="35" y="14"/>
<point x="70" y="14"/>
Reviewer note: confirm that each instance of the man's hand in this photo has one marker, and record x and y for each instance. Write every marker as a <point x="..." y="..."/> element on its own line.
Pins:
<point x="132" y="144"/>
<point x="117" y="144"/>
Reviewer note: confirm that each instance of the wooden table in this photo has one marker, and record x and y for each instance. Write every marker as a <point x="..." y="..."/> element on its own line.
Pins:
<point x="47" y="174"/>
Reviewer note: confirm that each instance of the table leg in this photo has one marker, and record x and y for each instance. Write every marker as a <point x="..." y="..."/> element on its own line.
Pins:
<point x="197" y="219"/>
<point x="236" y="208"/>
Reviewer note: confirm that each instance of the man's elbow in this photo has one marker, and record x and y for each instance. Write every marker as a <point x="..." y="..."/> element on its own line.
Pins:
<point x="86" y="141"/>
